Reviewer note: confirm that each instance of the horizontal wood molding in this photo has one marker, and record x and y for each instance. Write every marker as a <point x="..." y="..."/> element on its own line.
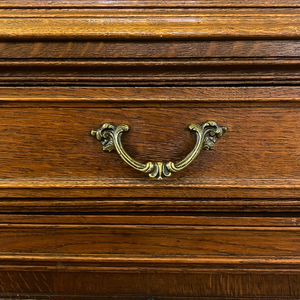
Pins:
<point x="247" y="220"/>
<point x="144" y="3"/>
<point x="148" y="96"/>
<point x="175" y="205"/>
<point x="131" y="264"/>
<point x="146" y="183"/>
<point x="158" y="50"/>
<point x="157" y="244"/>
<point x="154" y="71"/>
<point x="150" y="25"/>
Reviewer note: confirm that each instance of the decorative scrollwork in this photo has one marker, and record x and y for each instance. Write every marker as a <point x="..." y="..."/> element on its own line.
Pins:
<point x="207" y="134"/>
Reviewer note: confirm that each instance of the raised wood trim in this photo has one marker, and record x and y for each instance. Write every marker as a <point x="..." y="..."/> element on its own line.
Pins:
<point x="231" y="244"/>
<point x="210" y="233"/>
<point x="150" y="71"/>
<point x="150" y="25"/>
<point x="145" y="96"/>
<point x="103" y="188"/>
<point x="144" y="3"/>
<point x="130" y="264"/>
<point x="246" y="221"/>
<point x="146" y="183"/>
<point x="142" y="205"/>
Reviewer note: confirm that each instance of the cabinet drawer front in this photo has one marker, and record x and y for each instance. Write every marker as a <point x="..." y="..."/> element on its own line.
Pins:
<point x="47" y="149"/>
<point x="54" y="147"/>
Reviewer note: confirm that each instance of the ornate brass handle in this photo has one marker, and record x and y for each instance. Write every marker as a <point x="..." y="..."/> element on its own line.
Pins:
<point x="207" y="134"/>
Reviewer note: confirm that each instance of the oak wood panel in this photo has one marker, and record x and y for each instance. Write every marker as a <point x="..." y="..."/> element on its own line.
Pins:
<point x="172" y="246"/>
<point x="143" y="97"/>
<point x="57" y="143"/>
<point x="260" y="166"/>
<point x="146" y="49"/>
<point x="181" y="241"/>
<point x="153" y="25"/>
<point x="64" y="285"/>
<point x="153" y="241"/>
<point x="145" y="205"/>
<point x="122" y="43"/>
<point x="254" y="220"/>
<point x="154" y="244"/>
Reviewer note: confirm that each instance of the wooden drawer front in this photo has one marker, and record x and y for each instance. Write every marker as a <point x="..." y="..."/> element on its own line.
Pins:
<point x="262" y="143"/>
<point x="48" y="144"/>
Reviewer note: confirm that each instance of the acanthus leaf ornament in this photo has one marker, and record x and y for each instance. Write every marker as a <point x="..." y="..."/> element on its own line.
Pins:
<point x="207" y="134"/>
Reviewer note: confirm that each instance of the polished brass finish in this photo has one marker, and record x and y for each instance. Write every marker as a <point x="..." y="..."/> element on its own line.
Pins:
<point x="207" y="134"/>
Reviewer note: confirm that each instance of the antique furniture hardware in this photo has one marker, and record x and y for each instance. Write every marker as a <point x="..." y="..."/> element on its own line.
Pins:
<point x="207" y="134"/>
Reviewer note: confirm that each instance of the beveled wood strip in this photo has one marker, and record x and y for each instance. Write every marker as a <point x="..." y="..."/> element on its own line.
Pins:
<point x="145" y="3"/>
<point x="153" y="27"/>
<point x="159" y="71"/>
<point x="130" y="259"/>
<point x="238" y="221"/>
<point x="150" y="62"/>
<point x="155" y="49"/>
<point x="179" y="12"/>
<point x="138" y="205"/>
<point x="122" y="245"/>
<point x="145" y="183"/>
<point x="75" y="192"/>
<point x="151" y="95"/>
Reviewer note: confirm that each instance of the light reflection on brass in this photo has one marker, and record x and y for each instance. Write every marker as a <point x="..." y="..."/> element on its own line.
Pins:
<point x="207" y="134"/>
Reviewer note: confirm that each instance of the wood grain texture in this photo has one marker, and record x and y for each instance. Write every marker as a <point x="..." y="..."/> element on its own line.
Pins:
<point x="265" y="168"/>
<point x="154" y="72"/>
<point x="144" y="3"/>
<point x="157" y="244"/>
<point x="145" y="49"/>
<point x="149" y="47"/>
<point x="77" y="223"/>
<point x="145" y="97"/>
<point x="263" y="160"/>
<point x="86" y="285"/>
<point x="150" y="205"/>
<point x="149" y="24"/>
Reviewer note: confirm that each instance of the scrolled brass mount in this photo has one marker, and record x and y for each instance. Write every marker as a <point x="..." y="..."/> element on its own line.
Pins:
<point x="207" y="134"/>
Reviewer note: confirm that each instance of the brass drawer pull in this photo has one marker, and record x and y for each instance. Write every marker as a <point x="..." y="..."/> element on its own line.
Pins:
<point x="207" y="134"/>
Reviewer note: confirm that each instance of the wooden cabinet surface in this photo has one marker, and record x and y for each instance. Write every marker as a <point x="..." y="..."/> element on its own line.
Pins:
<point x="77" y="222"/>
